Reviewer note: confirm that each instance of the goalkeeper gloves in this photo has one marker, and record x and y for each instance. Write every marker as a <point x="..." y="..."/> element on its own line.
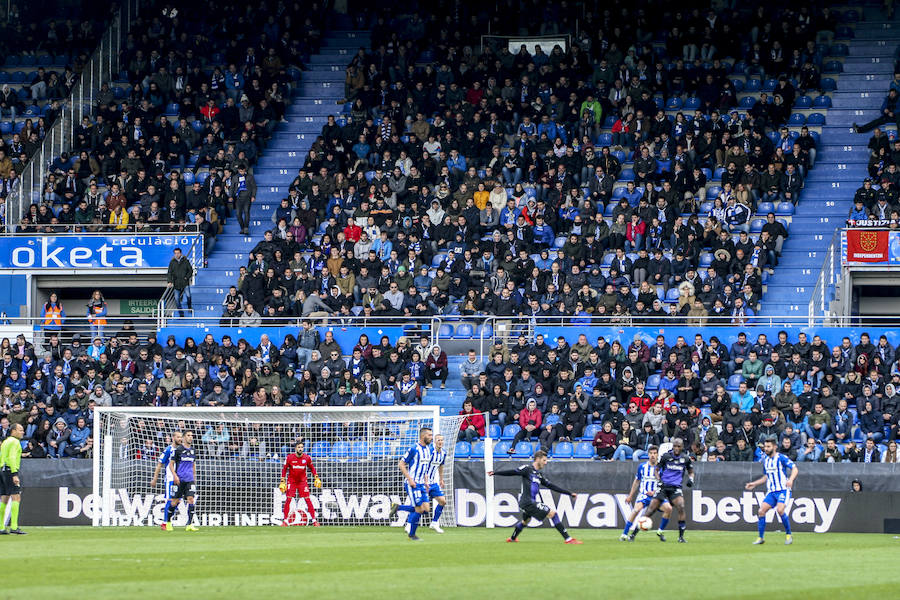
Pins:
<point x="317" y="482"/>
<point x="690" y="482"/>
<point x="282" y="486"/>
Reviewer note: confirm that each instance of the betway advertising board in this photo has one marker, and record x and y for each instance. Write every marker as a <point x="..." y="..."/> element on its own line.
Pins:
<point x="91" y="252"/>
<point x="717" y="501"/>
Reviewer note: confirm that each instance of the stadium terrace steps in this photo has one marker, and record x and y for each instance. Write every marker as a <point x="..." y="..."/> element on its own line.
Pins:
<point x="839" y="170"/>
<point x="320" y="88"/>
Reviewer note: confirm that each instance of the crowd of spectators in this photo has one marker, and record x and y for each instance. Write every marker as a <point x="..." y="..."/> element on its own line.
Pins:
<point x="482" y="183"/>
<point x="720" y="400"/>
<point x="198" y="96"/>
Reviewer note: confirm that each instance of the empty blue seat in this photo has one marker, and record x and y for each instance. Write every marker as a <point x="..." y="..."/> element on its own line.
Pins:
<point x="717" y="175"/>
<point x="734" y="381"/>
<point x="706" y="259"/>
<point x="747" y="102"/>
<point x="797" y="120"/>
<point x="815" y="119"/>
<point x="828" y="84"/>
<point x="626" y="175"/>
<point x="769" y="85"/>
<point x="604" y="139"/>
<point x="609" y="121"/>
<point x="765" y="208"/>
<point x="484" y="330"/>
<point x="381" y="449"/>
<point x="524" y="450"/>
<point x="738" y="85"/>
<point x="706" y="206"/>
<point x="713" y="191"/>
<point x="839" y="50"/>
<point x="172" y="108"/>
<point x="674" y="103"/>
<point x="653" y="380"/>
<point x="197" y="125"/>
<point x="583" y="450"/>
<point x="13" y="61"/>
<point x="591" y="430"/>
<point x="559" y="242"/>
<point x="822" y="102"/>
<point x="446" y="331"/>
<point x="785" y="209"/>
<point x="340" y="451"/>
<point x="663" y="166"/>
<point x="756" y="225"/>
<point x="6" y="127"/>
<point x="437" y="259"/>
<point x="386" y="398"/>
<point x="845" y="33"/>
<point x="833" y="67"/>
<point x="464" y="331"/>
<point x="463" y="449"/>
<point x="620" y="155"/>
<point x="563" y="450"/>
<point x="510" y="431"/>
<point x="477" y="450"/>
<point x="359" y="449"/>
<point x="692" y="103"/>
<point x="188" y="177"/>
<point x="319" y="449"/>
<point x="672" y="295"/>
<point x="803" y="102"/>
<point x="501" y="448"/>
<point x="753" y="85"/>
<point x="494" y="431"/>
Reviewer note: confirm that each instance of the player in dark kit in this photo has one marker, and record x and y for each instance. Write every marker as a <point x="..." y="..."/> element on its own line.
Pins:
<point x="184" y="474"/>
<point x="532" y="481"/>
<point x="672" y="467"/>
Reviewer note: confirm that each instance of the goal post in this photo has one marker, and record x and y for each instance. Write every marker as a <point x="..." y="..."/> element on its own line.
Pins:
<point x="240" y="451"/>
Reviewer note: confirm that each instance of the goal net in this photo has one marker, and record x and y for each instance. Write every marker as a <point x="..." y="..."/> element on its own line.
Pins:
<point x="239" y="455"/>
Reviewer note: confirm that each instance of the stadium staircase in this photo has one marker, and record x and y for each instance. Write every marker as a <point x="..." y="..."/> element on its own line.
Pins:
<point x="321" y="86"/>
<point x="840" y="166"/>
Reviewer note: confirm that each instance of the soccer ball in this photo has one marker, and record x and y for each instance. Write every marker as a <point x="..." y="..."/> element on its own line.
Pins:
<point x="645" y="523"/>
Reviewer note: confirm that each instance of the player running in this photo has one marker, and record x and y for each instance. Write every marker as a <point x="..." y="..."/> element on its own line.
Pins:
<point x="671" y="468"/>
<point x="295" y="485"/>
<point x="162" y="463"/>
<point x="10" y="482"/>
<point x="646" y="480"/>
<point x="415" y="466"/>
<point x="532" y="480"/>
<point x="779" y="473"/>
<point x="436" y="481"/>
<point x="184" y="473"/>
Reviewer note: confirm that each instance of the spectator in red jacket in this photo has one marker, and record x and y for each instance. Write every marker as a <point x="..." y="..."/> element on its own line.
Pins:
<point x="605" y="442"/>
<point x="352" y="231"/>
<point x="530" y="420"/>
<point x="472" y="426"/>
<point x="436" y="367"/>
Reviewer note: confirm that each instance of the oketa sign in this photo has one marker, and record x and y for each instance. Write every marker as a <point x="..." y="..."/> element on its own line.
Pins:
<point x="92" y="252"/>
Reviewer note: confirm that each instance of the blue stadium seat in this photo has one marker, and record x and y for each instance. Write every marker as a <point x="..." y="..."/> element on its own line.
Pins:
<point x="591" y="430"/>
<point x="501" y="448"/>
<point x="828" y="84"/>
<point x="340" y="451"/>
<point x="510" y="431"/>
<point x="584" y="450"/>
<point x="833" y="67"/>
<point x="706" y="206"/>
<point x="764" y="208"/>
<point x="803" y="102"/>
<point x="706" y="259"/>
<point x="672" y="295"/>
<point x="563" y="450"/>
<point x="524" y="450"/>
<point x="822" y="102"/>
<point x="386" y="398"/>
<point x="738" y="85"/>
<point x="608" y="122"/>
<point x="797" y="120"/>
<point x="620" y="155"/>
<point x="815" y="119"/>
<point x="359" y="449"/>
<point x="769" y="85"/>
<point x="717" y="174"/>
<point x="674" y="103"/>
<point x="604" y="139"/>
<point x="464" y="331"/>
<point x="463" y="449"/>
<point x="692" y="103"/>
<point x="494" y="431"/>
<point x="839" y="50"/>
<point x="753" y="85"/>
<point x="756" y="225"/>
<point x="653" y="380"/>
<point x="6" y="127"/>
<point x="626" y="175"/>
<point x="319" y="449"/>
<point x="785" y="209"/>
<point x="734" y="381"/>
<point x="477" y="450"/>
<point x="484" y="330"/>
<point x="747" y="102"/>
<point x="446" y="331"/>
<point x="713" y="191"/>
<point x="437" y="259"/>
<point x="559" y="242"/>
<point x="381" y="449"/>
<point x="188" y="177"/>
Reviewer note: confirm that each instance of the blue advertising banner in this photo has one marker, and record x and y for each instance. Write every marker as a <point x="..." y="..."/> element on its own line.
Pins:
<point x="92" y="252"/>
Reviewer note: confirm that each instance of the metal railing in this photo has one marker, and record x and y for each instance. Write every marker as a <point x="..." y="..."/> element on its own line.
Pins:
<point x="102" y="67"/>
<point x="829" y="276"/>
<point x="90" y="229"/>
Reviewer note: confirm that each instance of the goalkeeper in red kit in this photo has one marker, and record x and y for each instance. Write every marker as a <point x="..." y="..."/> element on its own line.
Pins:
<point x="293" y="481"/>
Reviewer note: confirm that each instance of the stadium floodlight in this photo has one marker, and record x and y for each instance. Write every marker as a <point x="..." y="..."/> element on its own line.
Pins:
<point x="240" y="453"/>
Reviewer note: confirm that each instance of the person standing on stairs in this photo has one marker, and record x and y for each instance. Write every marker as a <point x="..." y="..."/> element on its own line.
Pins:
<point x="243" y="190"/>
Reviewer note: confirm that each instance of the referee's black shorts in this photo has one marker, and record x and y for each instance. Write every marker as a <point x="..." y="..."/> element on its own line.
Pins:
<point x="7" y="486"/>
<point x="186" y="489"/>
<point x="668" y="493"/>
<point x="536" y="511"/>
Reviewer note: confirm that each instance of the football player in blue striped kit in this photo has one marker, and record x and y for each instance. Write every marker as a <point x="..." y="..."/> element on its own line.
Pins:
<point x="162" y="463"/>
<point x="415" y="466"/>
<point x="436" y="481"/>
<point x="779" y="473"/>
<point x="646" y="486"/>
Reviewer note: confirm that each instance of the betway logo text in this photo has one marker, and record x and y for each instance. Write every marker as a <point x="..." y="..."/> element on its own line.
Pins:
<point x="819" y="512"/>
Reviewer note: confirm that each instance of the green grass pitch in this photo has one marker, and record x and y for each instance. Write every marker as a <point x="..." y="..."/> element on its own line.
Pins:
<point x="376" y="562"/>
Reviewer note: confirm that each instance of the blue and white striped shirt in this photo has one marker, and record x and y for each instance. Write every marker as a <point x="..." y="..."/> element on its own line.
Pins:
<point x="418" y="460"/>
<point x="777" y="470"/>
<point x="164" y="457"/>
<point x="646" y="474"/>
<point x="437" y="459"/>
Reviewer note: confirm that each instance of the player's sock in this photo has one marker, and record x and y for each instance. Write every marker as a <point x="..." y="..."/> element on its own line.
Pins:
<point x="663" y="523"/>
<point x="310" y="510"/>
<point x="682" y="525"/>
<point x="627" y="528"/>
<point x="190" y="520"/>
<point x="520" y="525"/>
<point x="14" y="515"/>
<point x="787" y="524"/>
<point x="167" y="511"/>
<point x="286" y="510"/>
<point x="439" y="509"/>
<point x="413" y="521"/>
<point x="761" y="526"/>
<point x="3" y="515"/>
<point x="560" y="527"/>
<point x="407" y="508"/>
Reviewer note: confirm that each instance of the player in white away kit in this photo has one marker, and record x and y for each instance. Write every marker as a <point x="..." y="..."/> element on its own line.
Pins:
<point x="162" y="464"/>
<point x="779" y="473"/>
<point x="646" y="485"/>
<point x="436" y="481"/>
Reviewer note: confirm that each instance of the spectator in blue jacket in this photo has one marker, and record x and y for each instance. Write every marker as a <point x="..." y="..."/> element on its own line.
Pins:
<point x="543" y="234"/>
<point x="80" y="440"/>
<point x="743" y="398"/>
<point x="871" y="423"/>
